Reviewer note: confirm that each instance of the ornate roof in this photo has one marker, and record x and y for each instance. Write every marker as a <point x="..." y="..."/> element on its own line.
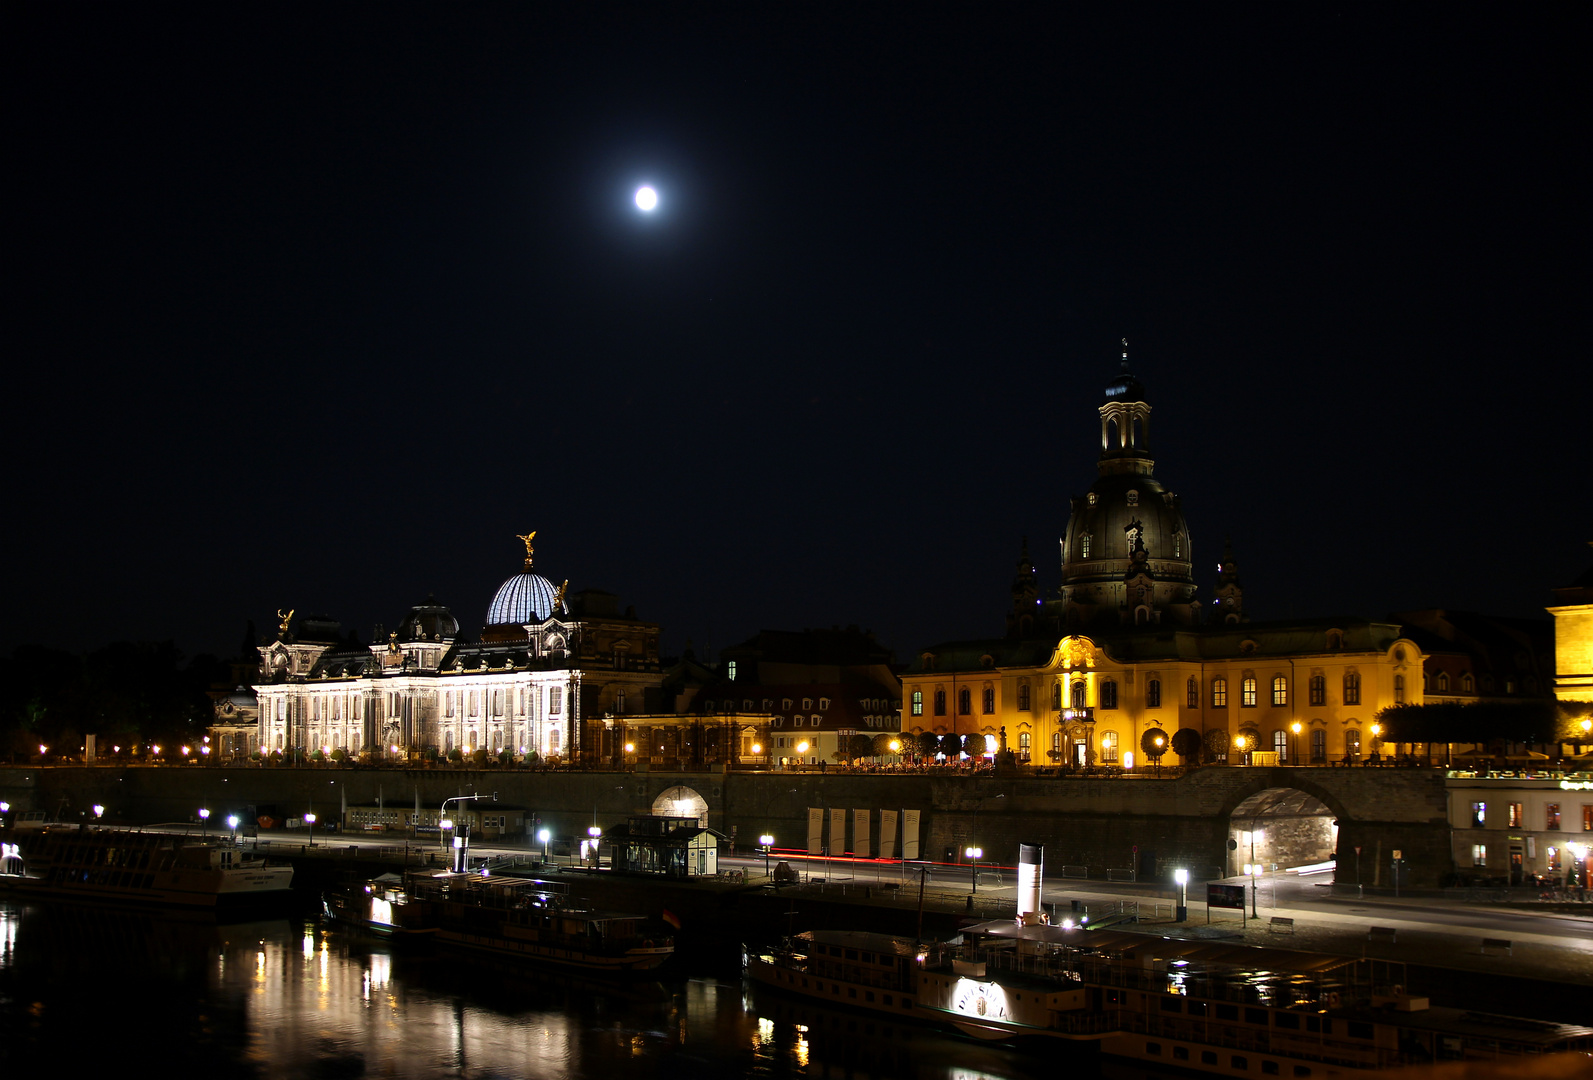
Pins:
<point x="524" y="598"/>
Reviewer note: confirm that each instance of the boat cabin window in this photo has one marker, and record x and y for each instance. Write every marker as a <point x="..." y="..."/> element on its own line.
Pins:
<point x="1196" y="1008"/>
<point x="1181" y="1053"/>
<point x="1172" y="1004"/>
<point x="1360" y="1030"/>
<point x="1270" y="1068"/>
<point x="1240" y="1063"/>
<point x="1227" y="1012"/>
<point x="1258" y="1017"/>
<point x="1208" y="1057"/>
<point x="1313" y="1023"/>
<point x="1286" y="1020"/>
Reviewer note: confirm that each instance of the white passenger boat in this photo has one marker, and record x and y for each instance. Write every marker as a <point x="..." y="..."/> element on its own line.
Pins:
<point x="131" y="865"/>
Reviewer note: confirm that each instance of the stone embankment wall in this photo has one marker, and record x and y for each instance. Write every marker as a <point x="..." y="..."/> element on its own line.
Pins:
<point x="1096" y="823"/>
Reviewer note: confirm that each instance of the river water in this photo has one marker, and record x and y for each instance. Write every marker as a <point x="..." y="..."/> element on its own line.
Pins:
<point x="92" y="990"/>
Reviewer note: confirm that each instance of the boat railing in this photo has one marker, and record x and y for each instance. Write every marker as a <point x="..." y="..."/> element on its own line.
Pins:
<point x="1230" y="1036"/>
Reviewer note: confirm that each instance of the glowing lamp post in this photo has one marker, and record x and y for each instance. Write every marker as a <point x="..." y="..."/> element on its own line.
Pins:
<point x="544" y="835"/>
<point x="309" y="821"/>
<point x="766" y="841"/>
<point x="1377" y="742"/>
<point x="1578" y="855"/>
<point x="204" y="820"/>
<point x="1253" y="872"/>
<point x="232" y="823"/>
<point x="1294" y="743"/>
<point x="596" y="840"/>
<point x="973" y="855"/>
<point x="1239" y="745"/>
<point x="1182" y="877"/>
<point x="99" y="811"/>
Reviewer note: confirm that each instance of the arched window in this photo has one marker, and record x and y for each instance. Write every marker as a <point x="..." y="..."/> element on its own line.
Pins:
<point x="1280" y="690"/>
<point x="1108" y="694"/>
<point x="989" y="702"/>
<point x="1109" y="747"/>
<point x="1023" y="745"/>
<point x="1466" y="684"/>
<point x="1318" y="745"/>
<point x="1443" y="681"/>
<point x="1318" y="690"/>
<point x="1219" y="693"/>
<point x="918" y="703"/>
<point x="1056" y="745"/>
<point x="1352" y="744"/>
<point x="1079" y="701"/>
<point x="1247" y="690"/>
<point x="1352" y="688"/>
<point x="1056" y="696"/>
<point x="1023" y="696"/>
<point x="964" y="702"/>
<point x="1280" y="744"/>
<point x="940" y="703"/>
<point x="1153" y="694"/>
<point x="1194" y="693"/>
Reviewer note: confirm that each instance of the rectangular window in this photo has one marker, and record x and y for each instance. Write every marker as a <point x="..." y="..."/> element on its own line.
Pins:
<point x="1352" y="689"/>
<point x="556" y="699"/>
<point x="1479" y="855"/>
<point x="1023" y="697"/>
<point x="1280" y="690"/>
<point x="1247" y="690"/>
<point x="1194" y="694"/>
<point x="1587" y="817"/>
<point x="1552" y="817"/>
<point x="1219" y="693"/>
<point x="1479" y="815"/>
<point x="989" y="702"/>
<point x="1318" y="690"/>
<point x="940" y="703"/>
<point x="1108" y="694"/>
<point x="1516" y="816"/>
<point x="1153" y="694"/>
<point x="1109" y="747"/>
<point x="918" y="703"/>
<point x="1319" y="745"/>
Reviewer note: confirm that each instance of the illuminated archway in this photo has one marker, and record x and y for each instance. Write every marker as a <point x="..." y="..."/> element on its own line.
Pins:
<point x="682" y="801"/>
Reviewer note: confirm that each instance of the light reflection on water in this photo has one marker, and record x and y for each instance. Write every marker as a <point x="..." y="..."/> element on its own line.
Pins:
<point x="289" y="997"/>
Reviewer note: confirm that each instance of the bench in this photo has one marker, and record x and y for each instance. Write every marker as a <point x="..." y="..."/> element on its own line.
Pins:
<point x="1381" y="933"/>
<point x="1281" y="925"/>
<point x="1496" y="947"/>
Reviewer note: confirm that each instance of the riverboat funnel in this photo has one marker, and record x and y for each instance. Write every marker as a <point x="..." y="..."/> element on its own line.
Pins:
<point x="1031" y="878"/>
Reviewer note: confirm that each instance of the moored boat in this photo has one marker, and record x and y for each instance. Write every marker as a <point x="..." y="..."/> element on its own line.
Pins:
<point x="844" y="969"/>
<point x="132" y="865"/>
<point x="519" y="918"/>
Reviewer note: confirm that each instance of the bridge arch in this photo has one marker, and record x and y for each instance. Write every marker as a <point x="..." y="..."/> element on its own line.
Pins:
<point x="1281" y="821"/>
<point x="682" y="801"/>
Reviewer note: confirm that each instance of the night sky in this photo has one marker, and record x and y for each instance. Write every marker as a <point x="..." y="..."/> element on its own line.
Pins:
<point x="317" y="306"/>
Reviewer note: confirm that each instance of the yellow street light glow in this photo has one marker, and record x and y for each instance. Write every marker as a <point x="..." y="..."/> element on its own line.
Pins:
<point x="1295" y="727"/>
<point x="630" y="748"/>
<point x="896" y="746"/>
<point x="1239" y="742"/>
<point x="757" y="748"/>
<point x="802" y="747"/>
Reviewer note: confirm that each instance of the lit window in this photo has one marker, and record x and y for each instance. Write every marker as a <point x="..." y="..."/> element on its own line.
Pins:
<point x="1109" y="747"/>
<point x="1247" y="691"/>
<point x="918" y="703"/>
<point x="1084" y="546"/>
<point x="730" y="670"/>
<point x="1280" y="690"/>
<point x="1352" y="745"/>
<point x="1399" y="689"/>
<point x="1280" y="745"/>
<point x="1516" y="817"/>
<point x="1479" y="855"/>
<point x="1219" y="693"/>
<point x="1552" y="817"/>
<point x="1479" y="815"/>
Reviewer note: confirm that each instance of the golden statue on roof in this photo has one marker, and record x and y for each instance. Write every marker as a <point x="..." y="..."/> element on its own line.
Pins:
<point x="558" y="598"/>
<point x="526" y="540"/>
<point x="285" y="619"/>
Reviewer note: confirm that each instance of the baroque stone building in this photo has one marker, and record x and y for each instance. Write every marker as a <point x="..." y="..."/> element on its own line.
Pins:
<point x="546" y="676"/>
<point x="1127" y="654"/>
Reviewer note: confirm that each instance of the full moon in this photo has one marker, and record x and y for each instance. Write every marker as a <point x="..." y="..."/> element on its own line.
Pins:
<point x="646" y="198"/>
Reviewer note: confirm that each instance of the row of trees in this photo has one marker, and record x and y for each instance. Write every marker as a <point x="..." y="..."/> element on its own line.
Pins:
<point x="126" y="692"/>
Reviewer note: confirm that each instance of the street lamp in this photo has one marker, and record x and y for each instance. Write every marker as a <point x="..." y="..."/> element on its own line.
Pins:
<point x="1239" y="745"/>
<point x="1182" y="877"/>
<point x="232" y="823"/>
<point x="767" y="842"/>
<point x="1294" y="743"/>
<point x="1578" y="854"/>
<point x="973" y="855"/>
<point x="204" y="820"/>
<point x="99" y="811"/>
<point x="443" y="825"/>
<point x="1377" y="738"/>
<point x="544" y="835"/>
<point x="1253" y="872"/>
<point x="309" y="820"/>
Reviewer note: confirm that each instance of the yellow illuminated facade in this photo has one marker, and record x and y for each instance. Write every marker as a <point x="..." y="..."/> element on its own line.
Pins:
<point x="1127" y="652"/>
<point x="1573" y="640"/>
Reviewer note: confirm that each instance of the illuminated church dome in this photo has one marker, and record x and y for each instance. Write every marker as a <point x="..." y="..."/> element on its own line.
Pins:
<point x="1126" y="557"/>
<point x="525" y="597"/>
<point x="430" y="621"/>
